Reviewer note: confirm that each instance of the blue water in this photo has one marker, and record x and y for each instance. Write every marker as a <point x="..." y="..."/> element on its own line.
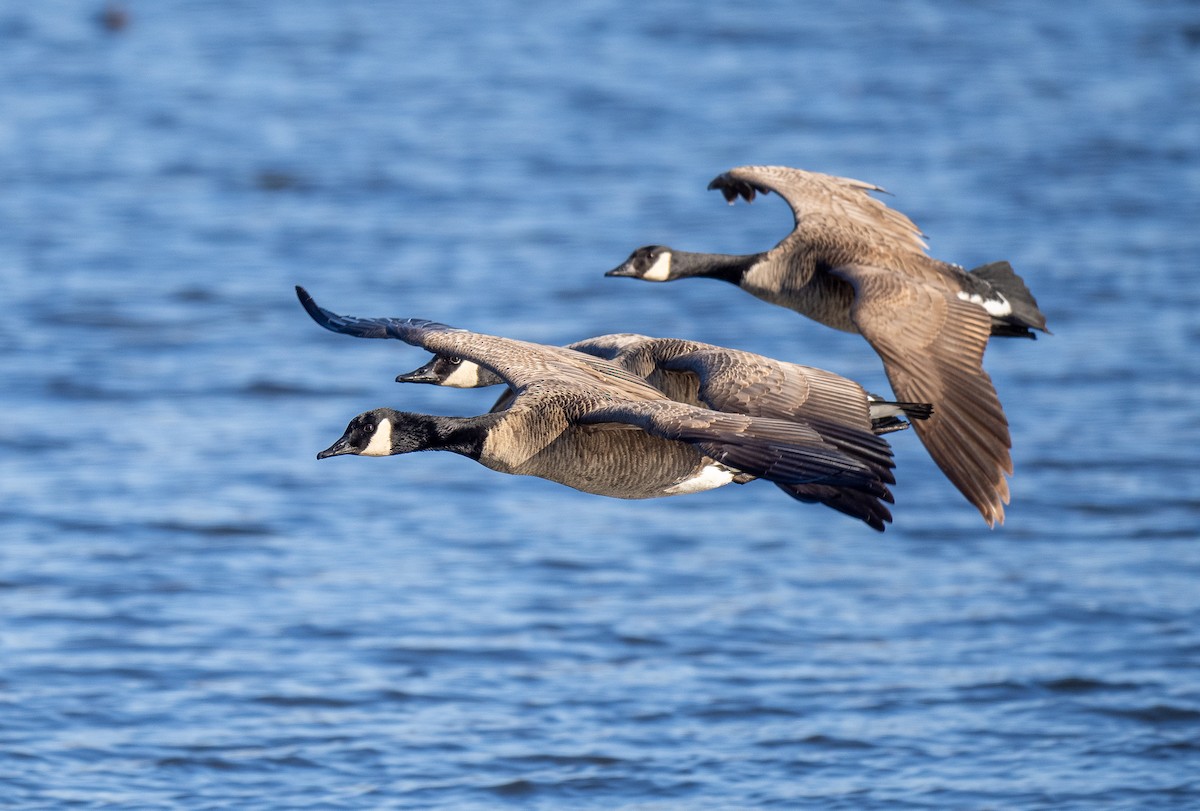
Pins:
<point x="195" y="613"/>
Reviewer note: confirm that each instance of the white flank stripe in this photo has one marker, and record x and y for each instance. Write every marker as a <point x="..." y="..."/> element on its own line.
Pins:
<point x="710" y="477"/>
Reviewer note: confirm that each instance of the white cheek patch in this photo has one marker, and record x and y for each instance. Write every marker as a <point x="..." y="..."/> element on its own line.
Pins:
<point x="381" y="440"/>
<point x="998" y="306"/>
<point x="710" y="477"/>
<point x="464" y="376"/>
<point x="660" y="271"/>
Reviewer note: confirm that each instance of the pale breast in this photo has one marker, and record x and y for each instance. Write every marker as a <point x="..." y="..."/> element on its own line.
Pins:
<point x="823" y="298"/>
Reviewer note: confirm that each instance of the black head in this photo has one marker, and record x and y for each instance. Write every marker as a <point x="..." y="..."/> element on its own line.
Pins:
<point x="651" y="263"/>
<point x="382" y="432"/>
<point x="434" y="372"/>
<point x="445" y="370"/>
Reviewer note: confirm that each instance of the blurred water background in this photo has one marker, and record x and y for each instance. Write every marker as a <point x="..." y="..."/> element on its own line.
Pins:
<point x="195" y="613"/>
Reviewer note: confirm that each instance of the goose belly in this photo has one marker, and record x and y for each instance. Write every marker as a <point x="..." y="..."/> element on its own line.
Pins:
<point x="627" y="464"/>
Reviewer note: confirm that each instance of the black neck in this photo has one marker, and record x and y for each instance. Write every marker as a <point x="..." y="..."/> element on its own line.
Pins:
<point x="466" y="435"/>
<point x="461" y="435"/>
<point x="726" y="267"/>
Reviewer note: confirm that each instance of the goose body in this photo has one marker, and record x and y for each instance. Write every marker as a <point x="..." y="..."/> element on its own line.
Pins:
<point x="597" y="459"/>
<point x="856" y="265"/>
<point x="735" y="382"/>
<point x="590" y="424"/>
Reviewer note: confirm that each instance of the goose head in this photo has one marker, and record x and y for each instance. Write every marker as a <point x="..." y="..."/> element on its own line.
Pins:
<point x="651" y="263"/>
<point x="454" y="372"/>
<point x="383" y="432"/>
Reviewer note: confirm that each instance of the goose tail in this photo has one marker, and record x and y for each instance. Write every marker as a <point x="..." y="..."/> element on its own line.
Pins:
<point x="1025" y="315"/>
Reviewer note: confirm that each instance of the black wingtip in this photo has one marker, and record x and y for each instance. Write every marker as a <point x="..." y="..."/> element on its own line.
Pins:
<point x="727" y="185"/>
<point x="310" y="307"/>
<point x="306" y="300"/>
<point x="731" y="188"/>
<point x="863" y="506"/>
<point x="324" y="318"/>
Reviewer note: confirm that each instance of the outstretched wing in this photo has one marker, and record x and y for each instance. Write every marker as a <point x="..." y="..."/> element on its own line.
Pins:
<point x="520" y="364"/>
<point x="835" y="213"/>
<point x="777" y="450"/>
<point x="738" y="382"/>
<point x="410" y="330"/>
<point x="609" y="346"/>
<point x="932" y="347"/>
<point x="834" y="406"/>
<point x="746" y="383"/>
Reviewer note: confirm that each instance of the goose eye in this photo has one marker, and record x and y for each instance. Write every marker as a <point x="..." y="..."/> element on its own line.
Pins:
<point x="455" y="361"/>
<point x="368" y="428"/>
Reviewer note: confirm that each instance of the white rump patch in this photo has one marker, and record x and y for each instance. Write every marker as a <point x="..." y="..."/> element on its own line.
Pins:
<point x="710" y="477"/>
<point x="381" y="440"/>
<point x="660" y="271"/>
<point x="465" y="376"/>
<point x="998" y="306"/>
<point x="879" y="409"/>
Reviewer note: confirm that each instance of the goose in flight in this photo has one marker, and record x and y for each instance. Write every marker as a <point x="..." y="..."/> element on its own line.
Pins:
<point x="711" y="377"/>
<point x="856" y="265"/>
<point x="732" y="381"/>
<point x="587" y="423"/>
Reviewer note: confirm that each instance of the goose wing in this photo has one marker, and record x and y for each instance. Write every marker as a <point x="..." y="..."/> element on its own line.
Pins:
<point x="606" y="347"/>
<point x="777" y="450"/>
<point x="609" y="346"/>
<point x="523" y="366"/>
<point x="738" y="382"/>
<point x="732" y="380"/>
<point x="410" y="330"/>
<point x="722" y="379"/>
<point x="834" y="406"/>
<point x="836" y="214"/>
<point x="932" y="344"/>
<point x="746" y="383"/>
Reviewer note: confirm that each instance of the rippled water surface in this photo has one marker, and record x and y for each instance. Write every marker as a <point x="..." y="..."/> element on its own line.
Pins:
<point x="196" y="613"/>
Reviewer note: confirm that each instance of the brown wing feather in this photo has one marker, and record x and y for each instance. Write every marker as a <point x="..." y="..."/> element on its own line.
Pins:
<point x="777" y="450"/>
<point x="932" y="348"/>
<point x="522" y="365"/>
<point x="831" y="212"/>
<point x="740" y="382"/>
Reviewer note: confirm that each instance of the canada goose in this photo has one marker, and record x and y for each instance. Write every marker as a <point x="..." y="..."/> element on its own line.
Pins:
<point x="731" y="381"/>
<point x="589" y="424"/>
<point x="742" y="376"/>
<point x="856" y="265"/>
